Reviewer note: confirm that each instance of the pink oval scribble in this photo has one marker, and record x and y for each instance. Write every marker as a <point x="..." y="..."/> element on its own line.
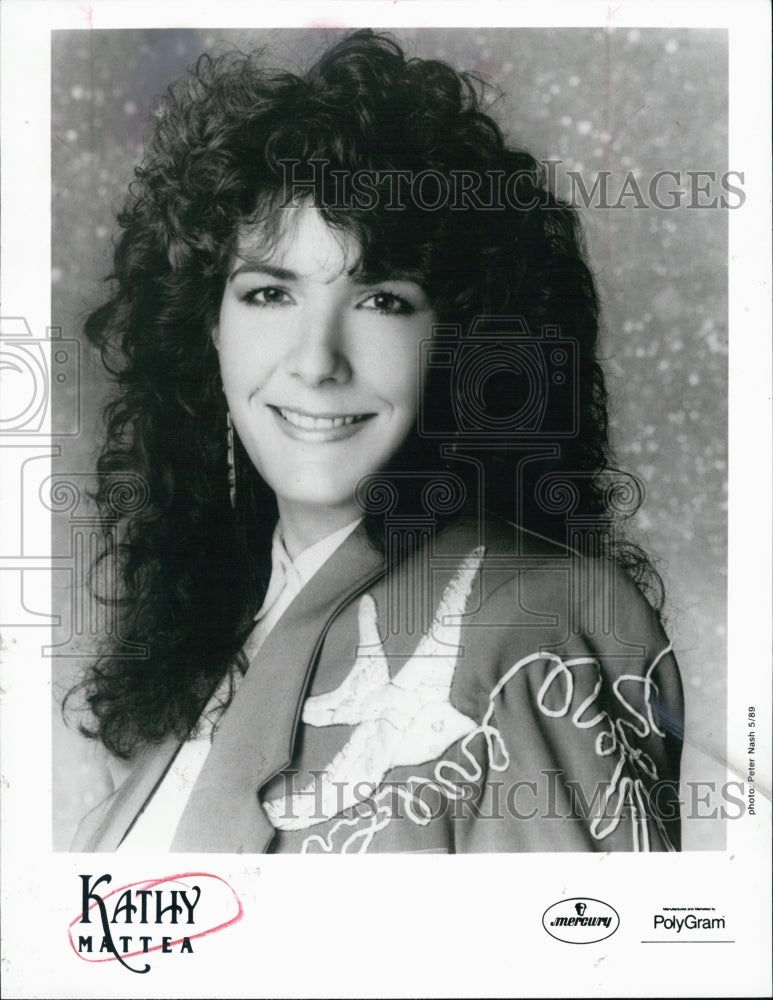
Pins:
<point x="217" y="907"/>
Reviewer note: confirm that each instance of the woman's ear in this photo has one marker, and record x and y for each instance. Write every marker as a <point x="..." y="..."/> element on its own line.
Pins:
<point x="216" y="336"/>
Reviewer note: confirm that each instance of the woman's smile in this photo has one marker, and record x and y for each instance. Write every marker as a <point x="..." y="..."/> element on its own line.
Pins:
<point x="303" y="426"/>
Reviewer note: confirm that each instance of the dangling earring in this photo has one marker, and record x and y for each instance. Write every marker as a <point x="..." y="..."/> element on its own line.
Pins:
<point x="231" y="459"/>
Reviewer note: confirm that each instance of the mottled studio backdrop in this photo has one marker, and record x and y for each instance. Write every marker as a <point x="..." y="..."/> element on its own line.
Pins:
<point x="626" y="100"/>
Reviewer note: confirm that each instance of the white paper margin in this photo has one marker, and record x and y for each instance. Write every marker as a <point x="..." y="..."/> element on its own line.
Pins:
<point x="386" y="926"/>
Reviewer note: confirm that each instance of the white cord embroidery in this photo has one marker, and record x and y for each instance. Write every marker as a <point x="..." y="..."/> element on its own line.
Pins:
<point x="408" y="720"/>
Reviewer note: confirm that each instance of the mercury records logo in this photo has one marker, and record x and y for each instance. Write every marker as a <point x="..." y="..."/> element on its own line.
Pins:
<point x="580" y="920"/>
<point x="163" y="915"/>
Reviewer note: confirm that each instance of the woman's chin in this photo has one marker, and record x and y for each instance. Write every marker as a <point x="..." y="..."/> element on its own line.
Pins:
<point x="325" y="501"/>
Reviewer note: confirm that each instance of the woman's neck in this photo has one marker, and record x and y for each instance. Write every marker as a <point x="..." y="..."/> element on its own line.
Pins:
<point x="304" y="526"/>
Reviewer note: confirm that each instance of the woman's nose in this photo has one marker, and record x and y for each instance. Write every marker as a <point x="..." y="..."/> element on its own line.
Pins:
<point x="318" y="353"/>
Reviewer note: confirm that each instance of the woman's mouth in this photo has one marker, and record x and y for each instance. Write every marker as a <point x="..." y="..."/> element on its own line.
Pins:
<point x="318" y="427"/>
<point x="310" y="423"/>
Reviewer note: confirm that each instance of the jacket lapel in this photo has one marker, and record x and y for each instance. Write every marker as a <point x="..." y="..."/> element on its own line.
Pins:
<point x="255" y="737"/>
<point x="104" y="828"/>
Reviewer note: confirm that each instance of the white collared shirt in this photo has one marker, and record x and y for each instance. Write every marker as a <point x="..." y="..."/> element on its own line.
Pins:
<point x="155" y="827"/>
<point x="288" y="578"/>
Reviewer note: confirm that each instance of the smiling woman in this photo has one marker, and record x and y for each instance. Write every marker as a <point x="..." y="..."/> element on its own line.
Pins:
<point x="321" y="370"/>
<point x="381" y="576"/>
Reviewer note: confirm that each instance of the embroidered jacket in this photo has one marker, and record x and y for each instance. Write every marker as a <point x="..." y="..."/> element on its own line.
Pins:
<point x="493" y="692"/>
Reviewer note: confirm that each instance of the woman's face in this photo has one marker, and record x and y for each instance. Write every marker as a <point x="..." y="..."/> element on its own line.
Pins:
<point x="321" y="366"/>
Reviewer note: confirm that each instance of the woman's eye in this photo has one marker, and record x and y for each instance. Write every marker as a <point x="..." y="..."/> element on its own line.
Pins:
<point x="388" y="303"/>
<point x="268" y="296"/>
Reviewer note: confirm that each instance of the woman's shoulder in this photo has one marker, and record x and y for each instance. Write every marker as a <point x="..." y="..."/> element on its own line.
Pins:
<point x="534" y="597"/>
<point x="568" y="639"/>
<point x="514" y="559"/>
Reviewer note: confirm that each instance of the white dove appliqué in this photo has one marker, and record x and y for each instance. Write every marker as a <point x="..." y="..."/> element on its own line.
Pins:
<point x="401" y="721"/>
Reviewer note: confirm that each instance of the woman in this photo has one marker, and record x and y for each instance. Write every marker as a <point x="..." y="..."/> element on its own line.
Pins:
<point x="379" y="575"/>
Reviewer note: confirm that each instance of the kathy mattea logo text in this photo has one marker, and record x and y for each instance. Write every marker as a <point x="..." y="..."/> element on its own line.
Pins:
<point x="162" y="915"/>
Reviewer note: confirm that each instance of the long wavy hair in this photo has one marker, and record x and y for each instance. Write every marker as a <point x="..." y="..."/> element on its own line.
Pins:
<point x="226" y="140"/>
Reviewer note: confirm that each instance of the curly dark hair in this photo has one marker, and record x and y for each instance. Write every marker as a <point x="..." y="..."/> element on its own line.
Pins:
<point x="192" y="570"/>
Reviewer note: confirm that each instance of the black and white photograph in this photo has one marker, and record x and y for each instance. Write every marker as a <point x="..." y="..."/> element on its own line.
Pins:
<point x="373" y="487"/>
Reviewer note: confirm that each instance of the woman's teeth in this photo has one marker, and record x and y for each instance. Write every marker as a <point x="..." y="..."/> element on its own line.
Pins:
<point x="317" y="423"/>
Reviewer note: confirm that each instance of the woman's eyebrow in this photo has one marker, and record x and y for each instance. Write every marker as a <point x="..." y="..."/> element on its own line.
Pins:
<point x="251" y="267"/>
<point x="374" y="275"/>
